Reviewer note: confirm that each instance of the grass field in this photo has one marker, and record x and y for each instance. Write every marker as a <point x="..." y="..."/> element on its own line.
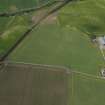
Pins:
<point x="12" y="30"/>
<point x="51" y="44"/>
<point x="30" y="85"/>
<point x="87" y="90"/>
<point x="60" y="40"/>
<point x="86" y="15"/>
<point x="13" y="5"/>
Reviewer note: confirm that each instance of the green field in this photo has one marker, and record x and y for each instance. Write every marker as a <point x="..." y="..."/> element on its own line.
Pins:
<point x="65" y="42"/>
<point x="87" y="90"/>
<point x="51" y="44"/>
<point x="61" y="40"/>
<point x="86" y="15"/>
<point x="11" y="30"/>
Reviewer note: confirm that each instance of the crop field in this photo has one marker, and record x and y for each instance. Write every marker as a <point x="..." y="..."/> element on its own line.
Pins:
<point x="61" y="40"/>
<point x="33" y="85"/>
<point x="24" y="84"/>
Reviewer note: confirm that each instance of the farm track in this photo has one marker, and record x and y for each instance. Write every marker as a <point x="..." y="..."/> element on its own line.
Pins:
<point x="53" y="10"/>
<point x="55" y="68"/>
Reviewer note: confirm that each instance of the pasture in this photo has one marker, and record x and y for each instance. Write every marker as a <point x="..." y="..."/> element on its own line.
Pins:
<point x="54" y="45"/>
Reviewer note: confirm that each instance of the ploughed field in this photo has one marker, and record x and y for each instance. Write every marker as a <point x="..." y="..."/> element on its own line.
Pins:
<point x="30" y="85"/>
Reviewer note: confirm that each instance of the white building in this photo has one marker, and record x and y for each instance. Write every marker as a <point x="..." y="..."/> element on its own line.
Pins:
<point x="101" y="42"/>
